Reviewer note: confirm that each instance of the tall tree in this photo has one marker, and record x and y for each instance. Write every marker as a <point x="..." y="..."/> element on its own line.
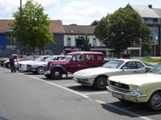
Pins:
<point x="35" y="26"/>
<point x="122" y="29"/>
<point x="86" y="44"/>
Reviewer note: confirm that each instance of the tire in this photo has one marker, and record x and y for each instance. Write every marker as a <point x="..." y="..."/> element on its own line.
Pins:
<point x="154" y="103"/>
<point x="40" y="70"/>
<point x="56" y="73"/>
<point x="100" y="82"/>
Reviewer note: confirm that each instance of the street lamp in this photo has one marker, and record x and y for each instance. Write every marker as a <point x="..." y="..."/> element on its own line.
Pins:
<point x="140" y="46"/>
<point x="20" y="27"/>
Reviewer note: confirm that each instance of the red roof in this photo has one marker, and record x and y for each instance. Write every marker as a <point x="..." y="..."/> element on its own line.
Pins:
<point x="56" y="26"/>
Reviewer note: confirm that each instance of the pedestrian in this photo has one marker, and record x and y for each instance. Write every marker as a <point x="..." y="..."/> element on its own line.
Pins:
<point x="13" y="59"/>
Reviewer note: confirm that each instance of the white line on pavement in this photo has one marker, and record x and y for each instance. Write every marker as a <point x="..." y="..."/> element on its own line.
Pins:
<point x="94" y="93"/>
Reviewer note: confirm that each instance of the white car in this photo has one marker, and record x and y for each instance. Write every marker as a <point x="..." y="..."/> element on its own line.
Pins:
<point x="38" y="66"/>
<point x="98" y="76"/>
<point x="23" y="64"/>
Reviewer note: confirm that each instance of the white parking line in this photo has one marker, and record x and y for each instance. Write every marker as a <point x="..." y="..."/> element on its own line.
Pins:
<point x="60" y="86"/>
<point x="95" y="93"/>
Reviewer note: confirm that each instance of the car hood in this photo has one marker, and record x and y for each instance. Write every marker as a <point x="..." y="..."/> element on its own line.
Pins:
<point x="37" y="63"/>
<point x="136" y="79"/>
<point x="26" y="62"/>
<point x="94" y="71"/>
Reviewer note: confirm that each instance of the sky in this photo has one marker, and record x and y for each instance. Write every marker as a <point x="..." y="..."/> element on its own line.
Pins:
<point x="80" y="12"/>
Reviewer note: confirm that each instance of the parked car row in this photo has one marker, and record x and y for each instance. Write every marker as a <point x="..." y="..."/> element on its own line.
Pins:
<point x="126" y="79"/>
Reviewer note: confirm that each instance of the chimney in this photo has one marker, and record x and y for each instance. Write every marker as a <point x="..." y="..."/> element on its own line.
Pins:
<point x="150" y="6"/>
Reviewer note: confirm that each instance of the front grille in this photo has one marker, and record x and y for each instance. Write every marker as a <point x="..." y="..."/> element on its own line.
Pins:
<point x="119" y="85"/>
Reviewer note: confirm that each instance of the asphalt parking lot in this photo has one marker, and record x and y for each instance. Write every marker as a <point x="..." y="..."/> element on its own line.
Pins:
<point x="115" y="108"/>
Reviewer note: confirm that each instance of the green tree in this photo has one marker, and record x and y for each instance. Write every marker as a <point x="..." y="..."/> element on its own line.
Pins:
<point x="122" y="29"/>
<point x="86" y="45"/>
<point x="35" y="26"/>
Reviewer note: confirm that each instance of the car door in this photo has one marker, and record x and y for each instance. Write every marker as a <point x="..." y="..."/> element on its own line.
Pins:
<point x="77" y="63"/>
<point x="130" y="67"/>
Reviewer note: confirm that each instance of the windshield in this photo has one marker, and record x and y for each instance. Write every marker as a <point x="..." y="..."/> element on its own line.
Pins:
<point x="68" y="57"/>
<point x="113" y="64"/>
<point x="49" y="58"/>
<point x="156" y="69"/>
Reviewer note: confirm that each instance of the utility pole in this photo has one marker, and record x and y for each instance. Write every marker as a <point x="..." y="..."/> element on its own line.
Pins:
<point x="20" y="27"/>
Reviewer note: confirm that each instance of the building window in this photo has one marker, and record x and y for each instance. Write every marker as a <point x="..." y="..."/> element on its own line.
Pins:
<point x="68" y="41"/>
<point x="10" y="39"/>
<point x="155" y="20"/>
<point x="94" y="42"/>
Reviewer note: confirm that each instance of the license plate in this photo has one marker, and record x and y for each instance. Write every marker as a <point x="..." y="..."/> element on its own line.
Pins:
<point x="117" y="95"/>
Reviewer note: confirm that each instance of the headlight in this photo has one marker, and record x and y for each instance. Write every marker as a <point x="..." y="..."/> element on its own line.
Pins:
<point x="137" y="88"/>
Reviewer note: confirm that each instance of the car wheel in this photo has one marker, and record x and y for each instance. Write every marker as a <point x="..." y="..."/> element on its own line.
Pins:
<point x="40" y="70"/>
<point x="48" y="76"/>
<point x="56" y="73"/>
<point x="154" y="102"/>
<point x="100" y="82"/>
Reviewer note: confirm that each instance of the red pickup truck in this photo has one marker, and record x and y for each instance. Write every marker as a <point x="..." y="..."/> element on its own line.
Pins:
<point x="73" y="62"/>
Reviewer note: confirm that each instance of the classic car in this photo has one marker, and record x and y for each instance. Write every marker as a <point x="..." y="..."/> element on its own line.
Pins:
<point x="38" y="66"/>
<point x="73" y="62"/>
<point x="97" y="77"/>
<point x="22" y="65"/>
<point x="138" y="88"/>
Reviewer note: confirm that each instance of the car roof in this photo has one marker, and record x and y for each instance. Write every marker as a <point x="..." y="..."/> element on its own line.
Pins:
<point x="127" y="59"/>
<point x="85" y="52"/>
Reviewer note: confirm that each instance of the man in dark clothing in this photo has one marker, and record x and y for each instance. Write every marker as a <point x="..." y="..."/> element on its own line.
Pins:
<point x="12" y="59"/>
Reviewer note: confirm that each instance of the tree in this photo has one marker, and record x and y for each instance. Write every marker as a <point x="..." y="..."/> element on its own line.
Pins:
<point x="94" y="22"/>
<point x="122" y="29"/>
<point x="35" y="26"/>
<point x="86" y="45"/>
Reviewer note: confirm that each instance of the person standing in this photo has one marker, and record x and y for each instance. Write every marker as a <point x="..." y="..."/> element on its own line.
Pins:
<point x="12" y="59"/>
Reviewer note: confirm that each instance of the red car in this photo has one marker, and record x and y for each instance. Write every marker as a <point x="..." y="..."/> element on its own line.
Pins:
<point x="73" y="62"/>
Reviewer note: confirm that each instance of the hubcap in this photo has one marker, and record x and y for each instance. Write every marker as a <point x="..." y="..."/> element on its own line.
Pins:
<point x="57" y="73"/>
<point x="40" y="70"/>
<point x="101" y="83"/>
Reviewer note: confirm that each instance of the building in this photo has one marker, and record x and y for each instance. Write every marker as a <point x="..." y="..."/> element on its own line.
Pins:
<point x="152" y="17"/>
<point x="10" y="45"/>
<point x="73" y="32"/>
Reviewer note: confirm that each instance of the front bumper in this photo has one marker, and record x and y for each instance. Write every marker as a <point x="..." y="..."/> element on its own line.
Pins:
<point x="83" y="81"/>
<point x="23" y="68"/>
<point x="133" y="96"/>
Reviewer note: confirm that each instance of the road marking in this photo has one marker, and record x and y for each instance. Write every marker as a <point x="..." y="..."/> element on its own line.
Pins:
<point x="126" y="111"/>
<point x="94" y="93"/>
<point x="60" y="86"/>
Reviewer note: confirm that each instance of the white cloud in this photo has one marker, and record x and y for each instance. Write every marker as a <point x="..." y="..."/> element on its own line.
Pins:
<point x="78" y="4"/>
<point x="82" y="12"/>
